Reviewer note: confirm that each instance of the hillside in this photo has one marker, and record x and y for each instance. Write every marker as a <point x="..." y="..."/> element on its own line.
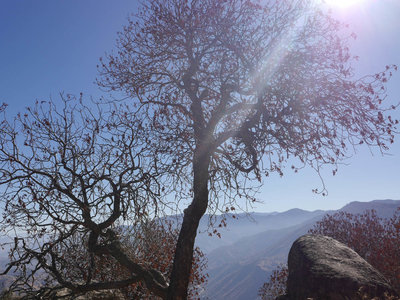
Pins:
<point x="252" y="223"/>
<point x="252" y="245"/>
<point x="239" y="269"/>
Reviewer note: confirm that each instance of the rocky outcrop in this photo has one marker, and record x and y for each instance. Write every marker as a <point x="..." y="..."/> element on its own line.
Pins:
<point x="322" y="268"/>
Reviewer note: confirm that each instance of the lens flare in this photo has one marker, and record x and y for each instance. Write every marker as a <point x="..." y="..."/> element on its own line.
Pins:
<point x="343" y="3"/>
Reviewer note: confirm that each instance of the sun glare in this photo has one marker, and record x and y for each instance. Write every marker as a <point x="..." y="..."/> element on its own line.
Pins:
<point x="343" y="3"/>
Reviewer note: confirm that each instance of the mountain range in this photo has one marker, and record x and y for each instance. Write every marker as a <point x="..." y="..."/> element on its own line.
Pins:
<point x="252" y="245"/>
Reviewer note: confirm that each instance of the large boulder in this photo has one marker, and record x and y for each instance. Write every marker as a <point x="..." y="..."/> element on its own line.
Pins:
<point x="322" y="268"/>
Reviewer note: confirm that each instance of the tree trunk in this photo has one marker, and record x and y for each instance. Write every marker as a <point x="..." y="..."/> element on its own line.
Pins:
<point x="182" y="265"/>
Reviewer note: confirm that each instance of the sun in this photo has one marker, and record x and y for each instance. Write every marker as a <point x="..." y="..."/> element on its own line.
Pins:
<point x="342" y="3"/>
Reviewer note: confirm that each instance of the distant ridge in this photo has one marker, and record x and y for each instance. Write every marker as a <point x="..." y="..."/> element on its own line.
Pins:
<point x="384" y="208"/>
<point x="239" y="266"/>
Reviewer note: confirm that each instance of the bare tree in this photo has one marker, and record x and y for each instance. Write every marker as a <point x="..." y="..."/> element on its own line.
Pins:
<point x="71" y="177"/>
<point x="234" y="89"/>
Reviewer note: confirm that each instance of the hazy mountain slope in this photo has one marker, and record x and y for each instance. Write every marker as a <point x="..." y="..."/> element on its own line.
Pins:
<point x="249" y="224"/>
<point x="258" y="255"/>
<point x="384" y="208"/>
<point x="235" y="281"/>
<point x="238" y="270"/>
<point x="250" y="247"/>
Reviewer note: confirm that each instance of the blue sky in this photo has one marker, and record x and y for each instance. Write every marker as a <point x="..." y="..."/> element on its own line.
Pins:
<point x="53" y="46"/>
